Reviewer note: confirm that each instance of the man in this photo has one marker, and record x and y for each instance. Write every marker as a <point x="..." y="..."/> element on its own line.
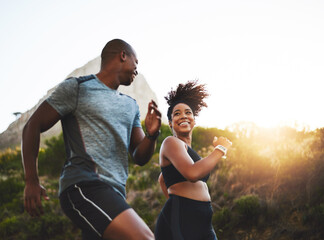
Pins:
<point x="100" y="126"/>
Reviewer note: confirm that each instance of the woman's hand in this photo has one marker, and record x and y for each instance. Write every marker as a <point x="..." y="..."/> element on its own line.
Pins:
<point x="222" y="141"/>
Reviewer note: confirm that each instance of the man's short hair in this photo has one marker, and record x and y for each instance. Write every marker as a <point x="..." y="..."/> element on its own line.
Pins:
<point x="114" y="47"/>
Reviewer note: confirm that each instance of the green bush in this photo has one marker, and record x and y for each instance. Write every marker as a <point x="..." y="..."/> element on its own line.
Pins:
<point x="48" y="226"/>
<point x="203" y="137"/>
<point x="222" y="218"/>
<point x="142" y="178"/>
<point x="165" y="132"/>
<point x="10" y="161"/>
<point x="52" y="225"/>
<point x="52" y="158"/>
<point x="248" y="207"/>
<point x="9" y="226"/>
<point x="315" y="216"/>
<point x="10" y="189"/>
<point x="142" y="207"/>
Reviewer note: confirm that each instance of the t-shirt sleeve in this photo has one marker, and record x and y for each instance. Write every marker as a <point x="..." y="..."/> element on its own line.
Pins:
<point x="137" y="119"/>
<point x="64" y="97"/>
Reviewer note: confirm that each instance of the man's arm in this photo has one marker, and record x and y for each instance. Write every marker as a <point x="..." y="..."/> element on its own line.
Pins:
<point x="142" y="147"/>
<point x="43" y="118"/>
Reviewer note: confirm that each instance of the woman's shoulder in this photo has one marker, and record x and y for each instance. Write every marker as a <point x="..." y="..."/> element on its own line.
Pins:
<point x="171" y="149"/>
<point x="173" y="142"/>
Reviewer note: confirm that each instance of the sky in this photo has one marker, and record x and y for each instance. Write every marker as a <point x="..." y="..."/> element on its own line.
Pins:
<point x="262" y="61"/>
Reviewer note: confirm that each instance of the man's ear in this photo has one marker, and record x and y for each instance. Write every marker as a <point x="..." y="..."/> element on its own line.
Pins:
<point x="123" y="56"/>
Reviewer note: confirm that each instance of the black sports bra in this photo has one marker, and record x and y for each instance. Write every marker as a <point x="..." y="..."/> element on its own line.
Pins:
<point x="172" y="176"/>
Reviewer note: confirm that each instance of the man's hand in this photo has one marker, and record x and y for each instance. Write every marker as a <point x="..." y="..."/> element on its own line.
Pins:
<point x="152" y="119"/>
<point x="32" y="199"/>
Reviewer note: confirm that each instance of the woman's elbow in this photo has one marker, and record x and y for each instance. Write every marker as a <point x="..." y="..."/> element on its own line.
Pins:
<point x="192" y="176"/>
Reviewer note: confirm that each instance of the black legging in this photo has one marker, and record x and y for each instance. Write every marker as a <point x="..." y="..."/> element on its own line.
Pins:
<point x="185" y="219"/>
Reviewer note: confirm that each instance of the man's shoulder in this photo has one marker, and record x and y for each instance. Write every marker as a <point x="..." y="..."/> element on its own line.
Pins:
<point x="81" y="79"/>
<point x="127" y="97"/>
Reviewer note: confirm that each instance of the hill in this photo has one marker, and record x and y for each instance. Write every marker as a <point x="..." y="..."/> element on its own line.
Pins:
<point x="139" y="90"/>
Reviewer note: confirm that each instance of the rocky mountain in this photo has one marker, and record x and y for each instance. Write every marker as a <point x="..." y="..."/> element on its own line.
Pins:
<point x="139" y="90"/>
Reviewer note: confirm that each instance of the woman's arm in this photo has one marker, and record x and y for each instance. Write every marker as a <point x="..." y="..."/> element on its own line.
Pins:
<point x="174" y="150"/>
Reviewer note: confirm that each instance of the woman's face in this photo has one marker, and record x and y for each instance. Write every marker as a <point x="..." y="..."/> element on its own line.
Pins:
<point x="183" y="120"/>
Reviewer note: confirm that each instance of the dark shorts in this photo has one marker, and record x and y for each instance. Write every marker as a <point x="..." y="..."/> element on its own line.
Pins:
<point x="92" y="206"/>
<point x="185" y="219"/>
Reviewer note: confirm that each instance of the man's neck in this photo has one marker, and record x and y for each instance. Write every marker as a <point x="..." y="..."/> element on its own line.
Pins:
<point x="110" y="80"/>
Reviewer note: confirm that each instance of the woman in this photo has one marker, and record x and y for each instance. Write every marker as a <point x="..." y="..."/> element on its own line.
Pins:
<point x="187" y="213"/>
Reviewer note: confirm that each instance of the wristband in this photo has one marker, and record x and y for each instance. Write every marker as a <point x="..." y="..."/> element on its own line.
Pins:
<point x="222" y="149"/>
<point x="154" y="136"/>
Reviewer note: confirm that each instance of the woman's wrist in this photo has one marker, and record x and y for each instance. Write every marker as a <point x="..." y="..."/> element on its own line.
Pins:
<point x="222" y="149"/>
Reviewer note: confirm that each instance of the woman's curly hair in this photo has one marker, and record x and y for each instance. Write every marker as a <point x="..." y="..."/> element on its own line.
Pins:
<point x="191" y="93"/>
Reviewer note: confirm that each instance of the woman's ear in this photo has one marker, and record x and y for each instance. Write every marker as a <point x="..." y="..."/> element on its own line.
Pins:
<point x="170" y="124"/>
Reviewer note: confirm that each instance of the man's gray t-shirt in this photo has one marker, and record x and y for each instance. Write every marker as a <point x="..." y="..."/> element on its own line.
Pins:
<point x="97" y="123"/>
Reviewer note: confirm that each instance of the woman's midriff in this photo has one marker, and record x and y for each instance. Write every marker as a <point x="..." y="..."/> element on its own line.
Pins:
<point x="196" y="191"/>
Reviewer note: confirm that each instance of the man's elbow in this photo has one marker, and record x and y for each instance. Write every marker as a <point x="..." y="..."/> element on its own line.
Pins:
<point x="141" y="164"/>
<point x="30" y="125"/>
<point x="26" y="128"/>
<point x="140" y="161"/>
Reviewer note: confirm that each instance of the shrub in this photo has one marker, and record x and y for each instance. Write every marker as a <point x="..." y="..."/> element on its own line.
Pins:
<point x="144" y="210"/>
<point x="248" y="207"/>
<point x="52" y="225"/>
<point x="142" y="178"/>
<point x="52" y="158"/>
<point x="315" y="216"/>
<point x="10" y="189"/>
<point x="10" y="161"/>
<point x="222" y="218"/>
<point x="165" y="132"/>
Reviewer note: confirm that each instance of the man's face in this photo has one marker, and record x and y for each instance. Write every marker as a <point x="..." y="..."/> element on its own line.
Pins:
<point x="129" y="69"/>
